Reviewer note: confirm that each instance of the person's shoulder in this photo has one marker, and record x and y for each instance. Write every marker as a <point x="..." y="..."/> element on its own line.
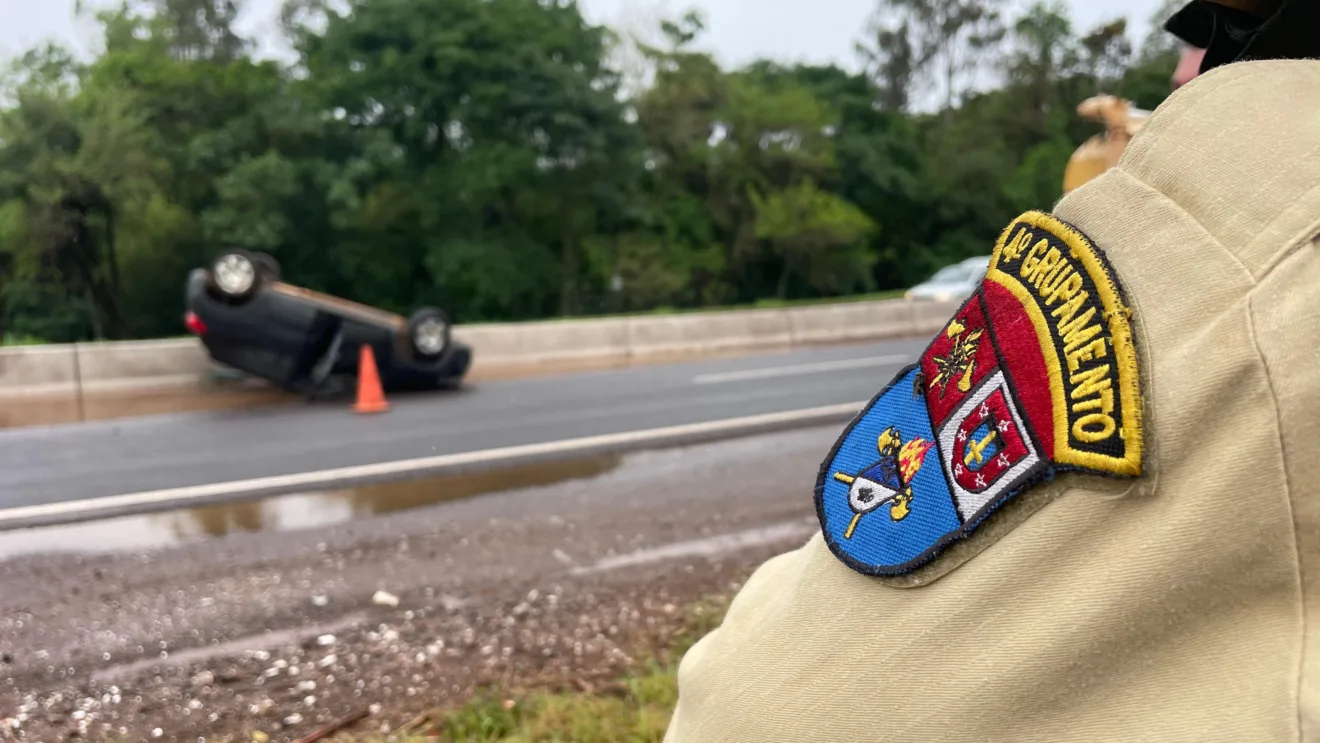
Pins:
<point x="1235" y="151"/>
<point x="1243" y="106"/>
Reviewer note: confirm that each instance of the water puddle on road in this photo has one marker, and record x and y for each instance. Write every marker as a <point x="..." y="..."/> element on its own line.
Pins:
<point x="289" y="512"/>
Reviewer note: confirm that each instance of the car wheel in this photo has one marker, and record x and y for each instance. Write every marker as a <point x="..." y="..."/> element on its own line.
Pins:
<point x="235" y="275"/>
<point x="269" y="267"/>
<point x="428" y="331"/>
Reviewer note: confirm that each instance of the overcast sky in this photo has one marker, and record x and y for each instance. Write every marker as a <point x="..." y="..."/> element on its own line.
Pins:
<point x="817" y="31"/>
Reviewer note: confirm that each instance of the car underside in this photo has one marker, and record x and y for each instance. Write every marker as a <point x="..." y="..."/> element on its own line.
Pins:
<point x="309" y="342"/>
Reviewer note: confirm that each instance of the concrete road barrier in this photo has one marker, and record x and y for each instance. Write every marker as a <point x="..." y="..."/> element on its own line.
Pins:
<point x="127" y="365"/>
<point x="502" y="345"/>
<point x="707" y="332"/>
<point x="65" y="369"/>
<point x="852" y="321"/>
<point x="177" y="365"/>
<point x="38" y="370"/>
<point x="929" y="317"/>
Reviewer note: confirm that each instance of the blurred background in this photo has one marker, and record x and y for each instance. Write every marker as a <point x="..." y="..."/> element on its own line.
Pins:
<point x="524" y="159"/>
<point x="246" y="568"/>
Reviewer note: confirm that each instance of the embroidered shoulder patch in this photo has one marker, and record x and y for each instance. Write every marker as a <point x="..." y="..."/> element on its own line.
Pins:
<point x="1035" y="374"/>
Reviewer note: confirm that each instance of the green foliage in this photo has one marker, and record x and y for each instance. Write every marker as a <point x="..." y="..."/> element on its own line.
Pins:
<point x="485" y="718"/>
<point x="482" y="155"/>
<point x="35" y="310"/>
<point x="639" y="712"/>
<point x="819" y="237"/>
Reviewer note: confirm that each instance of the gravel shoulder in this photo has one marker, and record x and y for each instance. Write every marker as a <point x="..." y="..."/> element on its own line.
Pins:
<point x="284" y="632"/>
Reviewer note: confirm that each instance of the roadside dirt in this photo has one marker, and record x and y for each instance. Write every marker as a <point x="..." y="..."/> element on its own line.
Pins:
<point x="283" y="632"/>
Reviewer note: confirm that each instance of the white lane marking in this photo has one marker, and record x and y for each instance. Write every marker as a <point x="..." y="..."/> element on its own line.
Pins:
<point x="64" y="512"/>
<point x="708" y="547"/>
<point x="789" y="371"/>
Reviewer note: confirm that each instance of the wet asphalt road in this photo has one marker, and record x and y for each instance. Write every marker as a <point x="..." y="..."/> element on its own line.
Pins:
<point x="79" y="461"/>
<point x="278" y="631"/>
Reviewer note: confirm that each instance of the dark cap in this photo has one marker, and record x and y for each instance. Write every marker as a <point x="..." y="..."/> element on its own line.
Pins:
<point x="1242" y="30"/>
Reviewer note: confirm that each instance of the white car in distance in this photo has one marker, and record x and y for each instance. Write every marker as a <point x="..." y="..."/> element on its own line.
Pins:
<point x="956" y="281"/>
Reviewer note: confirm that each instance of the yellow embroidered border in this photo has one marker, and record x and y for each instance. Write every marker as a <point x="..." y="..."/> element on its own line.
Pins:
<point x="1120" y="332"/>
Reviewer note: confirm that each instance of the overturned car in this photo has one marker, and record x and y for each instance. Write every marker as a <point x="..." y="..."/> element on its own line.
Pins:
<point x="308" y="342"/>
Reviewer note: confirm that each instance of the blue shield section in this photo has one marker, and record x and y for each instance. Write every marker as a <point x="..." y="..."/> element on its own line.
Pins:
<point x="887" y="540"/>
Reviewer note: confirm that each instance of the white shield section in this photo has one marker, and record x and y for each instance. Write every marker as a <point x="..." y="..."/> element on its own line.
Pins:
<point x="867" y="495"/>
<point x="970" y="504"/>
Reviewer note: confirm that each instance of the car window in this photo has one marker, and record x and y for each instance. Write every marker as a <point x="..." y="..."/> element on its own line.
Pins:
<point x="950" y="273"/>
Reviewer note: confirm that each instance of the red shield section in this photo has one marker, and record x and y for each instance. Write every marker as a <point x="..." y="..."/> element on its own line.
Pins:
<point x="1021" y="350"/>
<point x="956" y="362"/>
<point x="988" y="444"/>
<point x="987" y="448"/>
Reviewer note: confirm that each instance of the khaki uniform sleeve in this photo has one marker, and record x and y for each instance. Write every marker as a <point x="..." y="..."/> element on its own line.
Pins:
<point x="1285" y="312"/>
<point x="1184" y="606"/>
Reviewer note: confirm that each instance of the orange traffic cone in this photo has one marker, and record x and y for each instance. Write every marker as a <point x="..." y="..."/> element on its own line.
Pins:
<point x="370" y="396"/>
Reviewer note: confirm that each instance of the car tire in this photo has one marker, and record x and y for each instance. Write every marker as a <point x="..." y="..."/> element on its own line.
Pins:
<point x="267" y="264"/>
<point x="428" y="333"/>
<point x="235" y="275"/>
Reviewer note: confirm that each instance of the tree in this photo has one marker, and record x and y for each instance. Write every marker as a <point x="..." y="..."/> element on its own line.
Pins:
<point x="201" y="29"/>
<point x="1106" y="53"/>
<point x="890" y="60"/>
<point x="938" y="40"/>
<point x="1160" y="44"/>
<point x="1147" y="80"/>
<point x="1043" y="53"/>
<point x="72" y="165"/>
<point x="247" y="161"/>
<point x="508" y="144"/>
<point x="487" y="156"/>
<point x="819" y="237"/>
<point x="680" y="117"/>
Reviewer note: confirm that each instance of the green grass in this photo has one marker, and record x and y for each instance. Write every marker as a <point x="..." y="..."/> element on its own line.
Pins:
<point x="633" y="709"/>
<point x="639" y="714"/>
